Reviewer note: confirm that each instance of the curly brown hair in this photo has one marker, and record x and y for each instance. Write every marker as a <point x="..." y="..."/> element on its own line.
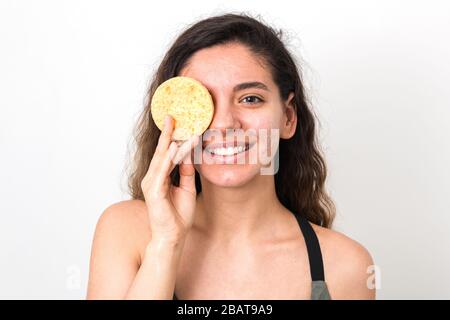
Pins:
<point x="300" y="180"/>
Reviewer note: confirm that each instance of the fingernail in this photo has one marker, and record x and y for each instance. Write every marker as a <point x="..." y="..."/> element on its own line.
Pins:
<point x="167" y="119"/>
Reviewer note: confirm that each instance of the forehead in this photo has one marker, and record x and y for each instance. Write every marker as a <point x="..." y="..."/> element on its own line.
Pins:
<point x="223" y="66"/>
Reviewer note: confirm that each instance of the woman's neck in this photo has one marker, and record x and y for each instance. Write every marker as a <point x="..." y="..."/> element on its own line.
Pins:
<point x="239" y="214"/>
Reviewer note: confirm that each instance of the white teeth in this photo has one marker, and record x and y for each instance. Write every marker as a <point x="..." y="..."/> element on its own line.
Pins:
<point x="227" y="151"/>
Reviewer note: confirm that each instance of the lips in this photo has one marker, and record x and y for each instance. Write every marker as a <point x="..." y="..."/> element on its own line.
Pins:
<point x="224" y="144"/>
<point x="227" y="151"/>
<point x="229" y="144"/>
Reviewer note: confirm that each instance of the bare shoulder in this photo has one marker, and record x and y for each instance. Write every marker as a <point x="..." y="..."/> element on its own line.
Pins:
<point x="124" y="224"/>
<point x="347" y="265"/>
<point x="341" y="247"/>
<point x="115" y="249"/>
<point x="124" y="214"/>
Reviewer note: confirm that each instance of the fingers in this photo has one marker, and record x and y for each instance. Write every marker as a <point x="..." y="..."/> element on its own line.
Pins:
<point x="185" y="148"/>
<point x="173" y="156"/>
<point x="167" y="155"/>
<point x="163" y="150"/>
<point x="187" y="177"/>
<point x="187" y="171"/>
<point x="165" y="138"/>
<point x="161" y="173"/>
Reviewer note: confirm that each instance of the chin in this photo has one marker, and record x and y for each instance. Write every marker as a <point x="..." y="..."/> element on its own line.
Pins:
<point x="228" y="175"/>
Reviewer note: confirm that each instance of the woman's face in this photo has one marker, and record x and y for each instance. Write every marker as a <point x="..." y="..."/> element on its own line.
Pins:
<point x="251" y="116"/>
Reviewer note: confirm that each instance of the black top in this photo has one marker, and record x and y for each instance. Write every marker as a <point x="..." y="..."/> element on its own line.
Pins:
<point x="313" y="248"/>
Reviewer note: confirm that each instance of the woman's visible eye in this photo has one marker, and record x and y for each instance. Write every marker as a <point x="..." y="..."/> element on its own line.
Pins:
<point x="251" y="99"/>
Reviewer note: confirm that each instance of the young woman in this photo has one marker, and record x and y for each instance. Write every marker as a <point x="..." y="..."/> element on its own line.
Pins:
<point x="220" y="230"/>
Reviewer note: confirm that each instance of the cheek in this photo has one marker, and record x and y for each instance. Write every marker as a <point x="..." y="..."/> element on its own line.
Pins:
<point x="266" y="128"/>
<point x="263" y="121"/>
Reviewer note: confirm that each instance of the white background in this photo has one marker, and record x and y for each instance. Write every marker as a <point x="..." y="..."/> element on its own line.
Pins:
<point x="73" y="76"/>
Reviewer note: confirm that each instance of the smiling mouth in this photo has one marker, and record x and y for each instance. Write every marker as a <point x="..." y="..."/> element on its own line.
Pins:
<point x="228" y="151"/>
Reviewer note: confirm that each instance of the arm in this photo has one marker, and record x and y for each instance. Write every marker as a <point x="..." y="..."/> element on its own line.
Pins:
<point x="114" y="261"/>
<point x="116" y="271"/>
<point x="157" y="274"/>
<point x="355" y="274"/>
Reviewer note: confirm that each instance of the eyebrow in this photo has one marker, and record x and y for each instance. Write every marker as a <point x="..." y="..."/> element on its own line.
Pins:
<point x="248" y="85"/>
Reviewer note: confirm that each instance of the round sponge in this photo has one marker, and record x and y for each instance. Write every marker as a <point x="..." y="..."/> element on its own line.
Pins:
<point x="187" y="101"/>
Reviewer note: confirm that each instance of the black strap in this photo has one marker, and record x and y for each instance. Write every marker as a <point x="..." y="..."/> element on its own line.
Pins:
<point x="313" y="247"/>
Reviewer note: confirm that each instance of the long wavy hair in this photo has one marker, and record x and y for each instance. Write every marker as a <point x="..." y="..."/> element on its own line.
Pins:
<point x="300" y="180"/>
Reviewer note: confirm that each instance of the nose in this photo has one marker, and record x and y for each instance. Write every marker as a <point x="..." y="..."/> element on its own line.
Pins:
<point x="224" y="118"/>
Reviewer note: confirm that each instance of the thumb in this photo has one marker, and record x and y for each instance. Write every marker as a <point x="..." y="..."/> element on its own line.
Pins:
<point x="187" y="175"/>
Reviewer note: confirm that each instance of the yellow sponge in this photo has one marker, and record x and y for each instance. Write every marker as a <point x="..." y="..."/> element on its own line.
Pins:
<point x="187" y="101"/>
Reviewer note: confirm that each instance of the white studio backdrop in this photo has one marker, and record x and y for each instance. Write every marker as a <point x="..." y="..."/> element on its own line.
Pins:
<point x="73" y="76"/>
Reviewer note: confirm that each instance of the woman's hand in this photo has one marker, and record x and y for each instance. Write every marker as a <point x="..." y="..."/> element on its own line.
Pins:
<point x="170" y="208"/>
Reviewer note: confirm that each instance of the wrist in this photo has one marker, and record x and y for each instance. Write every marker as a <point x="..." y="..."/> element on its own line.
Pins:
<point x="164" y="245"/>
